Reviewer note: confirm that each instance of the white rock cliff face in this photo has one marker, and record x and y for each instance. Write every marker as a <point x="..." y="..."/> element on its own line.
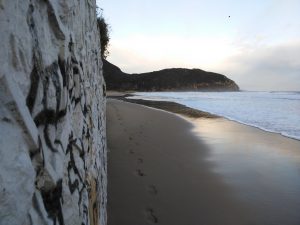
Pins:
<point x="52" y="114"/>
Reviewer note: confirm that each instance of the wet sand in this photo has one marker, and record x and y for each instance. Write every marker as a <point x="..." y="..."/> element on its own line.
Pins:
<point x="262" y="167"/>
<point x="163" y="169"/>
<point x="165" y="105"/>
<point x="158" y="172"/>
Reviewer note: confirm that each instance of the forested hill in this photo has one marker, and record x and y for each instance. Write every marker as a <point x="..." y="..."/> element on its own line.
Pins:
<point x="175" y="79"/>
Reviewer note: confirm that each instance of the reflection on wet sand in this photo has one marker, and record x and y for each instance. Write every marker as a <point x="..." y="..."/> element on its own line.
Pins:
<point x="262" y="167"/>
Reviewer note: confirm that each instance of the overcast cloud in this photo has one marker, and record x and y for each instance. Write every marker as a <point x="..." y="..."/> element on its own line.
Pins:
<point x="256" y="43"/>
<point x="266" y="68"/>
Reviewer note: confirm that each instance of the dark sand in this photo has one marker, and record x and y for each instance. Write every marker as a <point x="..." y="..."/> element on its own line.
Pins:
<point x="159" y="173"/>
<point x="262" y="167"/>
<point x="164" y="105"/>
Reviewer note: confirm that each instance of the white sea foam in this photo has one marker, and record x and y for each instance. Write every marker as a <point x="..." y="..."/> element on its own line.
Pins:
<point x="277" y="112"/>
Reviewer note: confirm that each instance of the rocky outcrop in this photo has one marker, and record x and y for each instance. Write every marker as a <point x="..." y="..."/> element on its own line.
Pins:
<point x="176" y="79"/>
<point x="52" y="114"/>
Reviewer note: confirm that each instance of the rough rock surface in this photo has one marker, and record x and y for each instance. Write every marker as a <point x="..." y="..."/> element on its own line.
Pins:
<point x="52" y="114"/>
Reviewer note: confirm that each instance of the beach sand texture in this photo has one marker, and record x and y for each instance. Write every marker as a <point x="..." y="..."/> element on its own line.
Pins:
<point x="165" y="169"/>
<point x="158" y="172"/>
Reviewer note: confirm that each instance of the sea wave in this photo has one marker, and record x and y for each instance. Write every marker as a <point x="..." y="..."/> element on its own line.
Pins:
<point x="276" y="112"/>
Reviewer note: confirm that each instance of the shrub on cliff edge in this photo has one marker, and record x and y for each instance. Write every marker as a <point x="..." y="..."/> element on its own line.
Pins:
<point x="104" y="34"/>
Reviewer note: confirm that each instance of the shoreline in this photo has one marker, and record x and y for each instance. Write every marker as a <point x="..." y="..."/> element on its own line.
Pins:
<point x="163" y="166"/>
<point x="185" y="111"/>
<point x="169" y="106"/>
<point x="262" y="167"/>
<point x="159" y="173"/>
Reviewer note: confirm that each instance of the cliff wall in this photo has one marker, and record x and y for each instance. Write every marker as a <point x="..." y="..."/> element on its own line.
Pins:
<point x="52" y="114"/>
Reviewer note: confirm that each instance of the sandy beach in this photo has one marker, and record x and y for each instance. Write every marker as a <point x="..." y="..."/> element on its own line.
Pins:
<point x="164" y="169"/>
<point x="158" y="172"/>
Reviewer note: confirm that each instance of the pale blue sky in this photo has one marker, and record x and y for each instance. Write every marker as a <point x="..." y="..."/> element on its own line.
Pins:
<point x="258" y="46"/>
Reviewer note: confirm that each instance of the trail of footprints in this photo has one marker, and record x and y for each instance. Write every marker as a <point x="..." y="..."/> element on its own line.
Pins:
<point x="151" y="216"/>
<point x="151" y="189"/>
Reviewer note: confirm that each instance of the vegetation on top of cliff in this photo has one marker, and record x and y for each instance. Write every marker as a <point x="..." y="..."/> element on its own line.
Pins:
<point x="175" y="79"/>
<point x="104" y="30"/>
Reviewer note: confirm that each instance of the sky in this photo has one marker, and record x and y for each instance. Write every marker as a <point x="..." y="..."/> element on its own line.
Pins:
<point x="255" y="42"/>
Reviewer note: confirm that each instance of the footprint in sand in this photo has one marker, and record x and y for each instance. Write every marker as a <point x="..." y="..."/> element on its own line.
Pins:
<point x="140" y="173"/>
<point x="152" y="189"/>
<point x="130" y="138"/>
<point x="151" y="217"/>
<point x="131" y="151"/>
<point x="140" y="160"/>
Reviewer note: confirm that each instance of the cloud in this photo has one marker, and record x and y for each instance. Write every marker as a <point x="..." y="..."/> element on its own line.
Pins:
<point x="146" y="53"/>
<point x="252" y="63"/>
<point x="274" y="67"/>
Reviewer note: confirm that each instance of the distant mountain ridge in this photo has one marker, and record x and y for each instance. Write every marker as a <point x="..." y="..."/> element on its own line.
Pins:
<point x="175" y="79"/>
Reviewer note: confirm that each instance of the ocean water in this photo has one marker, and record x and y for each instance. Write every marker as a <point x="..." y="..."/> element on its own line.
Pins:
<point x="277" y="112"/>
